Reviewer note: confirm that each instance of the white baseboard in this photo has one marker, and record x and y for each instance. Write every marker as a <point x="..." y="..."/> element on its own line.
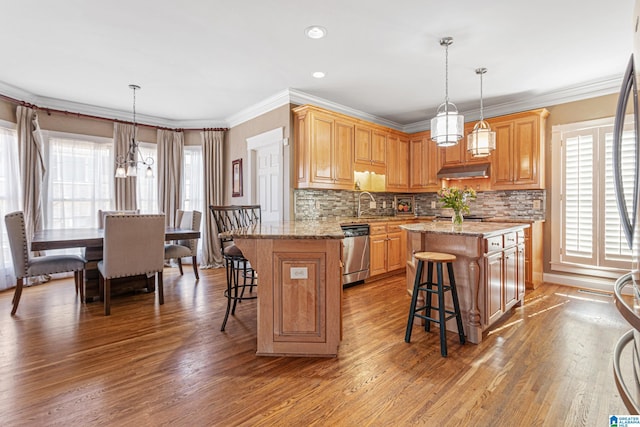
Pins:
<point x="605" y="285"/>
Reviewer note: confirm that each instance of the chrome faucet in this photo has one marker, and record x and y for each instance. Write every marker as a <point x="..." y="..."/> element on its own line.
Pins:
<point x="360" y="198"/>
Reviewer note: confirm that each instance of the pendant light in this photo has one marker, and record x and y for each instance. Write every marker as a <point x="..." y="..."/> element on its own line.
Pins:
<point x="482" y="140"/>
<point x="447" y="127"/>
<point x="128" y="165"/>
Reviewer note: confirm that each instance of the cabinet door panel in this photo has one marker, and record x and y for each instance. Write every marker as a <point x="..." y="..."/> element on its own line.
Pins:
<point x="378" y="254"/>
<point x="362" y="144"/>
<point x="526" y="143"/>
<point x="343" y="154"/>
<point x="493" y="270"/>
<point x="501" y="163"/>
<point x="521" y="267"/>
<point x="379" y="148"/>
<point x="510" y="278"/>
<point x="395" y="259"/>
<point x="417" y="161"/>
<point x="321" y="149"/>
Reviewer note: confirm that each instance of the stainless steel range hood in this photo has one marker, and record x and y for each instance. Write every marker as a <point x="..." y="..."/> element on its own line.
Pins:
<point x="475" y="170"/>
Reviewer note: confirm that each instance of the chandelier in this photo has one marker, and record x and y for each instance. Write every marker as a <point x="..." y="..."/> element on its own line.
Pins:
<point x="127" y="165"/>
<point x="447" y="127"/>
<point x="482" y="140"/>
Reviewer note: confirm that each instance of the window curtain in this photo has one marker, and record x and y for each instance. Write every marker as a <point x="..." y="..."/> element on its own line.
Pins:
<point x="170" y="155"/>
<point x="32" y="167"/>
<point x="125" y="188"/>
<point x="9" y="200"/>
<point x="212" y="165"/>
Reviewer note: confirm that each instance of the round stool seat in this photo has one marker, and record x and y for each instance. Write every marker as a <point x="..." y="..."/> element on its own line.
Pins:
<point x="434" y="257"/>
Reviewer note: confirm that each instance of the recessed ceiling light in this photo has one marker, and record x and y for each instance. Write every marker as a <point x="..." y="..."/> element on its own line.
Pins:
<point x="315" y="32"/>
<point x="319" y="75"/>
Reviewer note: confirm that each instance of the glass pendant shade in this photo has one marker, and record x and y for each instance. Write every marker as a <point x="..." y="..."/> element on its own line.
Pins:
<point x="447" y="127"/>
<point x="482" y="140"/>
<point x="120" y="172"/>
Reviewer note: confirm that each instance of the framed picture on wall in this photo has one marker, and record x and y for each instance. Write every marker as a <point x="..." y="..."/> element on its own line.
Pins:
<point x="405" y="204"/>
<point x="236" y="173"/>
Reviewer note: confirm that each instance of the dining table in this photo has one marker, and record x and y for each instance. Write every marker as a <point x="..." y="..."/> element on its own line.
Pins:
<point x="90" y="240"/>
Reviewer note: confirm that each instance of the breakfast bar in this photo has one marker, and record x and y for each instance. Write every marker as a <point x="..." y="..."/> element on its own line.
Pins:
<point x="489" y="269"/>
<point x="299" y="285"/>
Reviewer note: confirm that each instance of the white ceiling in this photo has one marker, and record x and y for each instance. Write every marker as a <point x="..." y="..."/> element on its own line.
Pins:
<point x="206" y="62"/>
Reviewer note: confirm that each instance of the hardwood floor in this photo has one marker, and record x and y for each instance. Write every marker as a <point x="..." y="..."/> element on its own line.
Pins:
<point x="65" y="363"/>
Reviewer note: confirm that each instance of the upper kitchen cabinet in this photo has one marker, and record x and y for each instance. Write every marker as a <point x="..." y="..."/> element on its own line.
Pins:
<point x="424" y="163"/>
<point x="518" y="161"/>
<point x="397" y="162"/>
<point x="324" y="149"/>
<point x="370" y="149"/>
<point x="457" y="155"/>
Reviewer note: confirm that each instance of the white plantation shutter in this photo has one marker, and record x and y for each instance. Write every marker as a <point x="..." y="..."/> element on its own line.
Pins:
<point x="578" y="198"/>
<point x="591" y="232"/>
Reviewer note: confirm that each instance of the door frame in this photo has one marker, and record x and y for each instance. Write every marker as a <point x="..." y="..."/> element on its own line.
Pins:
<point x="254" y="143"/>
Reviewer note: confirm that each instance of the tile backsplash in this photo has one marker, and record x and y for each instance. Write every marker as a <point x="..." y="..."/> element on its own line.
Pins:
<point x="318" y="204"/>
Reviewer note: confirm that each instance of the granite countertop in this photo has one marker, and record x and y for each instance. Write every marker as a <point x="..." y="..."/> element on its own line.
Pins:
<point x="482" y="229"/>
<point x="290" y="230"/>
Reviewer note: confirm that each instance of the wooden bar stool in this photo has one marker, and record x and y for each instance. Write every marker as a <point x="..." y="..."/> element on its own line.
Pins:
<point x="440" y="288"/>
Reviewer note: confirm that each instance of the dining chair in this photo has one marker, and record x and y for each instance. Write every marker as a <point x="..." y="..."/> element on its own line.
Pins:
<point x="240" y="274"/>
<point x="102" y="214"/>
<point x="25" y="266"/>
<point x="179" y="249"/>
<point x="133" y="245"/>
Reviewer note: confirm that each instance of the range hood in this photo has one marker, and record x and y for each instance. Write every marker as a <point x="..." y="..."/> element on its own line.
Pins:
<point x="474" y="170"/>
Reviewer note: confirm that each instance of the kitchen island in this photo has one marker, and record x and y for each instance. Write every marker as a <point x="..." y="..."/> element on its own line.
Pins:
<point x="299" y="285"/>
<point x="489" y="269"/>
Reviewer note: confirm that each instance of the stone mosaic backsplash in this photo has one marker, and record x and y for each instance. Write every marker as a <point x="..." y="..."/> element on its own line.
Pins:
<point x="318" y="204"/>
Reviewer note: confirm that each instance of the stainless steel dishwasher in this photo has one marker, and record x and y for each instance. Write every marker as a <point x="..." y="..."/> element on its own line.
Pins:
<point x="356" y="253"/>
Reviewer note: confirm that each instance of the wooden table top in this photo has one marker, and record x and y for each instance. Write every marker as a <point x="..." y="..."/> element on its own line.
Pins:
<point x="91" y="237"/>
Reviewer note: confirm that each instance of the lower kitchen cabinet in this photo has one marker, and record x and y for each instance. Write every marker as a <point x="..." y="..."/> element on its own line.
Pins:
<point x="504" y="268"/>
<point x="387" y="246"/>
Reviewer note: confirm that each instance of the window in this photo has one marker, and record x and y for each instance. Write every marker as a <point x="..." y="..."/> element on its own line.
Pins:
<point x="147" y="187"/>
<point x="78" y="181"/>
<point x="193" y="179"/>
<point x="9" y="196"/>
<point x="589" y="239"/>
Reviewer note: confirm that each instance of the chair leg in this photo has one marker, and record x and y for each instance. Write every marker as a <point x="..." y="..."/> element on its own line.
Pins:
<point x="194" y="262"/>
<point x="229" y="267"/>
<point x="107" y="297"/>
<point x="16" y="295"/>
<point x="160" y="287"/>
<point x="79" y="278"/>
<point x="441" y="310"/>
<point x="179" y="261"/>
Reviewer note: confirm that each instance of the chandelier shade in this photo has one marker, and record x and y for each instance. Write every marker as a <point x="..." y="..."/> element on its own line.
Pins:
<point x="127" y="165"/>
<point x="482" y="140"/>
<point x="447" y="127"/>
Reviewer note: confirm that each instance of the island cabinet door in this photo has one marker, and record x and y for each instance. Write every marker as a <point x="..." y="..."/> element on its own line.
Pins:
<point x="493" y="272"/>
<point x="510" y="278"/>
<point x="521" y="281"/>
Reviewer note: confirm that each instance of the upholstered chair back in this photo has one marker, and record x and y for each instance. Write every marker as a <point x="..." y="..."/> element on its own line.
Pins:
<point x="102" y="214"/>
<point x="189" y="220"/>
<point x="18" y="242"/>
<point x="133" y="245"/>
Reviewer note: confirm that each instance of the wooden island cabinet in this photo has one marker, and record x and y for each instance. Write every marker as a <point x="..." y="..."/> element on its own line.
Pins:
<point x="489" y="269"/>
<point x="299" y="267"/>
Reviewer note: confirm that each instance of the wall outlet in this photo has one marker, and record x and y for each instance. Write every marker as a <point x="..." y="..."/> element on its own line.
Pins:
<point x="384" y="204"/>
<point x="433" y="204"/>
<point x="372" y="205"/>
<point x="536" y="204"/>
<point x="299" y="273"/>
<point x="317" y="204"/>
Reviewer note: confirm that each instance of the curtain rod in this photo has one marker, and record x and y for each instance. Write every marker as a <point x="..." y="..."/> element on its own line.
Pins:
<point x="89" y="116"/>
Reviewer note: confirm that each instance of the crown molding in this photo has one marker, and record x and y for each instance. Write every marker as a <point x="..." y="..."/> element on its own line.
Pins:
<point x="523" y="102"/>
